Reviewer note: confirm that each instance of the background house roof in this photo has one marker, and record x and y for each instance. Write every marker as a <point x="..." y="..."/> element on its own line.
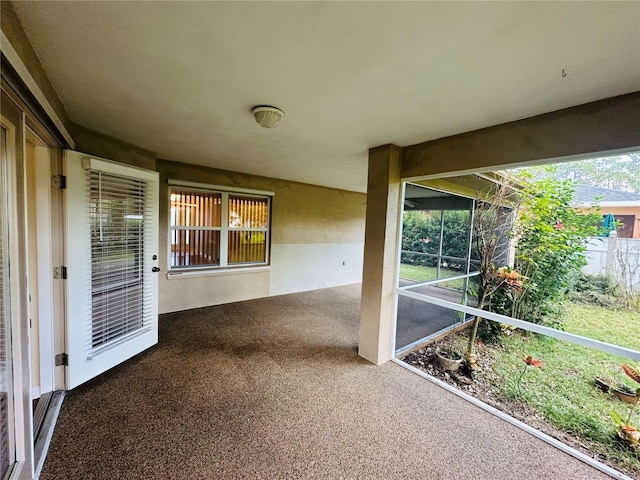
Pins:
<point x="180" y="78"/>
<point x="587" y="194"/>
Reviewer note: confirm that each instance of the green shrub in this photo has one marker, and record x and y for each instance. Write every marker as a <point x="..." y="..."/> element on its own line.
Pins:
<point x="421" y="233"/>
<point x="551" y="243"/>
<point x="604" y="284"/>
<point x="599" y="290"/>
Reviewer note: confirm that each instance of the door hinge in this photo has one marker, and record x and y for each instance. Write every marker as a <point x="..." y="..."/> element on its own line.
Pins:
<point x="60" y="273"/>
<point x="59" y="182"/>
<point x="62" y="359"/>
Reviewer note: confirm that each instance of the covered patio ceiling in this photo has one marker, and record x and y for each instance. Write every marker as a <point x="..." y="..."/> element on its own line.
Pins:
<point x="480" y="186"/>
<point x="180" y="78"/>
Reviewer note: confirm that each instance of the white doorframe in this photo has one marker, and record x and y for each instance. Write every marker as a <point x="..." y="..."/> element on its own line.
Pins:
<point x="22" y="413"/>
<point x="58" y="257"/>
<point x="44" y="262"/>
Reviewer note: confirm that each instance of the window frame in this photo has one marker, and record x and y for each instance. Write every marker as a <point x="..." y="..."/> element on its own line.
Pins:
<point x="224" y="228"/>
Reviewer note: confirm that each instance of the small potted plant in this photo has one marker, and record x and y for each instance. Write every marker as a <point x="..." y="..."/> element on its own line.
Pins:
<point x="627" y="432"/>
<point x="626" y="393"/>
<point x="603" y="383"/>
<point x="617" y="388"/>
<point x="446" y="355"/>
<point x="448" y="359"/>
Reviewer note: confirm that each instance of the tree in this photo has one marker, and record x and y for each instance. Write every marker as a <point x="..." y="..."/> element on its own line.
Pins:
<point x="493" y="222"/>
<point x="551" y="239"/>
<point x="620" y="173"/>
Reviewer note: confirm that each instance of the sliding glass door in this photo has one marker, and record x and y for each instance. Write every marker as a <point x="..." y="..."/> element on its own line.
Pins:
<point x="7" y="427"/>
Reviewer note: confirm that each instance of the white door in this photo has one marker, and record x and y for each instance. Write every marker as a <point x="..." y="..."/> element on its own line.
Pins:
<point x="111" y="264"/>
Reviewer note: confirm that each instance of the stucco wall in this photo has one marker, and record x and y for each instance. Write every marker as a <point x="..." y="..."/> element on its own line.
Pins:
<point x="317" y="241"/>
<point x="93" y="143"/>
<point x="633" y="210"/>
<point x="317" y="233"/>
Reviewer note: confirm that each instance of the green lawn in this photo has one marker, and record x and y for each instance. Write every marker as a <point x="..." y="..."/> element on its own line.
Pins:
<point x="562" y="391"/>
<point x="424" y="274"/>
<point x="417" y="273"/>
<point x="617" y="327"/>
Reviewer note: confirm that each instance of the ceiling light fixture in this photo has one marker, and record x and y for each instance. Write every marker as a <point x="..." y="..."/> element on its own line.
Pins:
<point x="266" y="116"/>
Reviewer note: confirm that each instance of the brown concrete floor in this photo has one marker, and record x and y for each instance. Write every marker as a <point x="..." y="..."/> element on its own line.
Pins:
<point x="273" y="389"/>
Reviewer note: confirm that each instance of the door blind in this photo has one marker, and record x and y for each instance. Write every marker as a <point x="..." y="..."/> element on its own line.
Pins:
<point x="117" y="211"/>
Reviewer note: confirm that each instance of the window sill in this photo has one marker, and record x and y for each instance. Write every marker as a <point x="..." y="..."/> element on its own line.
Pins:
<point x="178" y="274"/>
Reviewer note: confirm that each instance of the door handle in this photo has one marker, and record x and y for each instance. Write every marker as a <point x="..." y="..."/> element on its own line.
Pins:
<point x="155" y="269"/>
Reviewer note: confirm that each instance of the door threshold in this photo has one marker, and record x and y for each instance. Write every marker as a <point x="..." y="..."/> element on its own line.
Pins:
<point x="49" y="416"/>
<point x="39" y="411"/>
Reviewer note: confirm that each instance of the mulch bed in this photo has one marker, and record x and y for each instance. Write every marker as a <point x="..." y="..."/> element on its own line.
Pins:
<point x="482" y="384"/>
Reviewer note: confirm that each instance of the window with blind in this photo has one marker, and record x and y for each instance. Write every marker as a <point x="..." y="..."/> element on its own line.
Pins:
<point x="215" y="229"/>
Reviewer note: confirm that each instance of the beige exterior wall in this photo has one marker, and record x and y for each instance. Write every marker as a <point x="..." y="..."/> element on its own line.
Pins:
<point x="102" y="146"/>
<point x="317" y="233"/>
<point x="317" y="241"/>
<point x="625" y="211"/>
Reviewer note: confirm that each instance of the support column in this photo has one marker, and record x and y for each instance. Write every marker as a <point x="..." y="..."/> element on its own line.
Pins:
<point x="377" y="312"/>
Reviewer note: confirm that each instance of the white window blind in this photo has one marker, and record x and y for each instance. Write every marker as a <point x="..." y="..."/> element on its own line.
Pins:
<point x="117" y="207"/>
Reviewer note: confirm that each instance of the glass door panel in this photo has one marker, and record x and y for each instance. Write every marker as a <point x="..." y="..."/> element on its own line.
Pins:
<point x="7" y="440"/>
